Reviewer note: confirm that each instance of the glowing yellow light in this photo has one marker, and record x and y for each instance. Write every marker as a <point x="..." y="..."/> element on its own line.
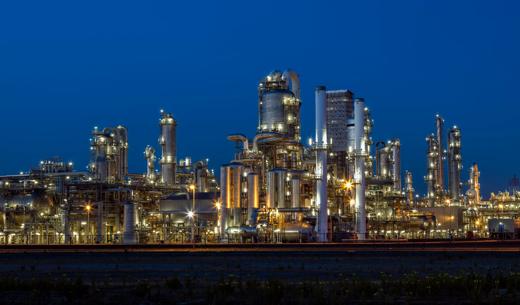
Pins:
<point x="192" y="187"/>
<point x="348" y="185"/>
<point x="88" y="207"/>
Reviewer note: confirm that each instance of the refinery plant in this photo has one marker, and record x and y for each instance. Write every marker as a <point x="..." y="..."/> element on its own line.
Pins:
<point x="340" y="185"/>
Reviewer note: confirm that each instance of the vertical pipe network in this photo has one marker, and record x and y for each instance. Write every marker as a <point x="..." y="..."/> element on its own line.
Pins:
<point x="359" y="172"/>
<point x="321" y="162"/>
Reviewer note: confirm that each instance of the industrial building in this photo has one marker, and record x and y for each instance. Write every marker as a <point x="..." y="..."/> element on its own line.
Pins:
<point x="340" y="185"/>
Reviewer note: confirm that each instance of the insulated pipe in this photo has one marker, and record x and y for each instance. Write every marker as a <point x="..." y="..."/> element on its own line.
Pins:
<point x="240" y="138"/>
<point x="295" y="82"/>
<point x="252" y="198"/>
<point x="321" y="162"/>
<point x="129" y="234"/>
<point x="359" y="172"/>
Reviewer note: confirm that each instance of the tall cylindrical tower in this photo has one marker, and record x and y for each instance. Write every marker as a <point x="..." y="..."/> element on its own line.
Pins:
<point x="359" y="171"/>
<point x="321" y="162"/>
<point x="168" y="145"/>
<point x="454" y="163"/>
<point x="439" y="125"/>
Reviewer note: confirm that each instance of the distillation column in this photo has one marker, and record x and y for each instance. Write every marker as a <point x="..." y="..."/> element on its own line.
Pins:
<point x="359" y="172"/>
<point x="474" y="191"/>
<point x="454" y="163"/>
<point x="167" y="142"/>
<point x="321" y="162"/>
<point x="431" y="174"/>
<point x="439" y="124"/>
<point x="396" y="164"/>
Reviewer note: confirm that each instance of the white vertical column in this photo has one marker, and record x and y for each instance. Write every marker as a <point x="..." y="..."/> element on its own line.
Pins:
<point x="359" y="172"/>
<point x="321" y="162"/>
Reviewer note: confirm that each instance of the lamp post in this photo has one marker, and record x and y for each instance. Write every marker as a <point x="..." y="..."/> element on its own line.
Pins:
<point x="88" y="207"/>
<point x="192" y="188"/>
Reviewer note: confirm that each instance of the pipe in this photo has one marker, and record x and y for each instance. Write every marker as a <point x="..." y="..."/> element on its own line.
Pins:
<point x="129" y="218"/>
<point x="295" y="82"/>
<point x="359" y="171"/>
<point x="321" y="162"/>
<point x="240" y="138"/>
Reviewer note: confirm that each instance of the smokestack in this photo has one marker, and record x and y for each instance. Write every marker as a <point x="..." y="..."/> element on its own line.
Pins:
<point x="359" y="171"/>
<point x="321" y="162"/>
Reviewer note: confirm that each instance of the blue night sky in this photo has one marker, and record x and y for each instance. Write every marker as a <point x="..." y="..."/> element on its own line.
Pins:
<point x="68" y="66"/>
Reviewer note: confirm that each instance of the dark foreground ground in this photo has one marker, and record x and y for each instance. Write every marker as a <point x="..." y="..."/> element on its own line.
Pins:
<point x="485" y="273"/>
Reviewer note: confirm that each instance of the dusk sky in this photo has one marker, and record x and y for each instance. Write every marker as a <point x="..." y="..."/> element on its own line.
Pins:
<point x="67" y="66"/>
